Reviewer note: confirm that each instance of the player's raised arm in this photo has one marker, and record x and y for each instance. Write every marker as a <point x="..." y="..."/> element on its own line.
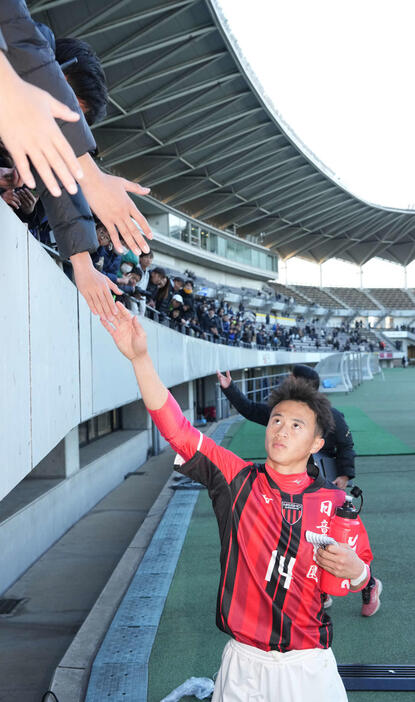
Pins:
<point x="131" y="339"/>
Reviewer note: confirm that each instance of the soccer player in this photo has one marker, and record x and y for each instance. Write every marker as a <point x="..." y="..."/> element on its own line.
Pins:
<point x="338" y="445"/>
<point x="269" y="598"/>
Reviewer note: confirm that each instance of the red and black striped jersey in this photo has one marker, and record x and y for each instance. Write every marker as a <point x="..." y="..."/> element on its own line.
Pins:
<point x="269" y="593"/>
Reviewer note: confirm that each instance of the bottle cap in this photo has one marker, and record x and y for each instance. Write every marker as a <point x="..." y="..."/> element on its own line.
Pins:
<point x="348" y="509"/>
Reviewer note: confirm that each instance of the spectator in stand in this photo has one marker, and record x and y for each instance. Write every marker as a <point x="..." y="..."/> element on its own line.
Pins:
<point x="225" y="326"/>
<point x="177" y="284"/>
<point x="196" y="329"/>
<point x="145" y="261"/>
<point x="129" y="283"/>
<point x="163" y="297"/>
<point x="233" y="335"/>
<point x="153" y="286"/>
<point x="188" y="296"/>
<point x="260" y="337"/>
<point x="210" y="320"/>
<point x="85" y="76"/>
<point x="129" y="261"/>
<point x="106" y="259"/>
<point x="175" y="314"/>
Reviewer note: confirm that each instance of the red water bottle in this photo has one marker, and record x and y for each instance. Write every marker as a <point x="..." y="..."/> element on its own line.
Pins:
<point x="344" y="528"/>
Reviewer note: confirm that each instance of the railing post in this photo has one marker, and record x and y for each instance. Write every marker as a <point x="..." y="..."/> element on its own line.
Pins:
<point x="218" y="395"/>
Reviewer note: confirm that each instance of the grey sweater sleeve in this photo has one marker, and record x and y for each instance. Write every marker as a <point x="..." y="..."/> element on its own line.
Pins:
<point x="31" y="57"/>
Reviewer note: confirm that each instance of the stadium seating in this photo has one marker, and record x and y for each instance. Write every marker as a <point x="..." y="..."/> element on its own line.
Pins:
<point x="354" y="298"/>
<point x="319" y="296"/>
<point x="393" y="298"/>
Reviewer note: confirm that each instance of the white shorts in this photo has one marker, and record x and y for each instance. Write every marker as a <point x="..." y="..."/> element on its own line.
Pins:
<point x="248" y="674"/>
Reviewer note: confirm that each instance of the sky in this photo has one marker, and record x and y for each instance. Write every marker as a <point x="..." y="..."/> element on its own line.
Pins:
<point x="340" y="75"/>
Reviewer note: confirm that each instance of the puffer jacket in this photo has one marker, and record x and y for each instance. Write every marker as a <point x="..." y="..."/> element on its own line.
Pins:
<point x="32" y="58"/>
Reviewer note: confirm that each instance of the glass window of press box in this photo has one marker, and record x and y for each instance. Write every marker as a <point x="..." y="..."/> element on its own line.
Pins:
<point x="214" y="243"/>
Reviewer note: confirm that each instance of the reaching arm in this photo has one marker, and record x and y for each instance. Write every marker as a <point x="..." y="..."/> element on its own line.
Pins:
<point x="33" y="94"/>
<point x="255" y="411"/>
<point x="131" y="340"/>
<point x="34" y="133"/>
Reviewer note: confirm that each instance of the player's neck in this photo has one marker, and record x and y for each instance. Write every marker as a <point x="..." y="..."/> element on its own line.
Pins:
<point x="291" y="469"/>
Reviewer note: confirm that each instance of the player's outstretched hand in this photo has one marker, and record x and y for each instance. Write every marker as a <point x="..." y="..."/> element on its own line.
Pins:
<point x="340" y="560"/>
<point x="107" y="197"/>
<point x="127" y="333"/>
<point x="29" y="131"/>
<point x="224" y="381"/>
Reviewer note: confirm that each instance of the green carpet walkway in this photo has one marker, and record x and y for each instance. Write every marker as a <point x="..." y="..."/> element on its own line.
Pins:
<point x="188" y="643"/>
<point x="379" y="413"/>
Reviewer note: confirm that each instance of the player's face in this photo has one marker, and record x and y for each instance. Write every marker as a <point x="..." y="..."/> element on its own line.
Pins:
<point x="291" y="436"/>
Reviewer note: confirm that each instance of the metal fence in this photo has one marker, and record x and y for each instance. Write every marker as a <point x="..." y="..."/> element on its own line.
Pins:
<point x="339" y="372"/>
<point x="255" y="389"/>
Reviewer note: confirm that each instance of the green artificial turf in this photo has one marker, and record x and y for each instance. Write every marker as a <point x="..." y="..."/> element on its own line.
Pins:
<point x="370" y="439"/>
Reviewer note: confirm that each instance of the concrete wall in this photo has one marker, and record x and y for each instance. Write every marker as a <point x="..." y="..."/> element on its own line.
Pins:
<point x="51" y="514"/>
<point x="60" y="367"/>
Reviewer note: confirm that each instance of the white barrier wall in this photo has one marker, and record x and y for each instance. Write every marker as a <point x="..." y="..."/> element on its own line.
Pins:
<point x="60" y="367"/>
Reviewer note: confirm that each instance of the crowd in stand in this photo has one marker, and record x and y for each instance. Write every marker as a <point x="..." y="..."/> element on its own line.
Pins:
<point x="82" y="226"/>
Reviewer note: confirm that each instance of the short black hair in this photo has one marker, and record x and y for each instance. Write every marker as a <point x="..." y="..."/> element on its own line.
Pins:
<point x="301" y="390"/>
<point x="159" y="270"/>
<point x="149" y="253"/>
<point x="86" y="77"/>
<point x="137" y="271"/>
<point x="308" y="373"/>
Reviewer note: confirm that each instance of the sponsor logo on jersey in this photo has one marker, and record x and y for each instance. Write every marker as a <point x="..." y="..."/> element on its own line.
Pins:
<point x="324" y="526"/>
<point x="267" y="499"/>
<point x="325" y="507"/>
<point x="291" y="512"/>
<point x="312" y="573"/>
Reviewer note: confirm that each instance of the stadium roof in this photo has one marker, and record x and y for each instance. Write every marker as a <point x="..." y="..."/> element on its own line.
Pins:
<point x="188" y="119"/>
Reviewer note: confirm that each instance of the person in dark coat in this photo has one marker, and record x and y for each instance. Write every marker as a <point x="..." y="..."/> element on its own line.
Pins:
<point x="163" y="297"/>
<point x="25" y="52"/>
<point x="106" y="259"/>
<point x="338" y="444"/>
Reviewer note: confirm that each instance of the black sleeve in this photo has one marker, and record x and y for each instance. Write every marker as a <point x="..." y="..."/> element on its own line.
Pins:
<point x="255" y="411"/>
<point x="33" y="60"/>
<point x="345" y="453"/>
<point x="70" y="219"/>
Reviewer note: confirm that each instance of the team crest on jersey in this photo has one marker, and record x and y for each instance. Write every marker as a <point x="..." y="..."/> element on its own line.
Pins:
<point x="291" y="512"/>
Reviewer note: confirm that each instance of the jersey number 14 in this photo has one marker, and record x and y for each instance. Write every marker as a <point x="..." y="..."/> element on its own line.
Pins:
<point x="285" y="567"/>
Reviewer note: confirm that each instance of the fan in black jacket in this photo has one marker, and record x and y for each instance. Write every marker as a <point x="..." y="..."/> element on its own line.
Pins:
<point x="338" y="443"/>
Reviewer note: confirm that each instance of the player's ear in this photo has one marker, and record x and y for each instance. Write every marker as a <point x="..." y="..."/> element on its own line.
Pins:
<point x="318" y="444"/>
